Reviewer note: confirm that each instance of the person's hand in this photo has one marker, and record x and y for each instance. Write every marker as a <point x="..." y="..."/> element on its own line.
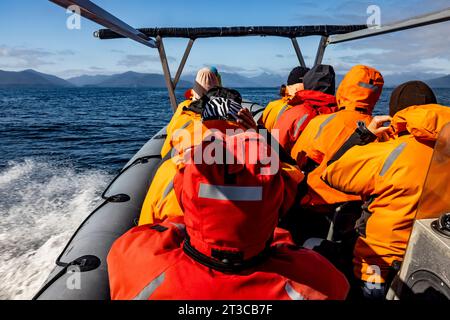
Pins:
<point x="246" y="119"/>
<point x="376" y="125"/>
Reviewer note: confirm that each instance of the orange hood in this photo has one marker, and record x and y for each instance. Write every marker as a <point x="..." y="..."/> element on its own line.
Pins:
<point x="423" y="122"/>
<point x="360" y="89"/>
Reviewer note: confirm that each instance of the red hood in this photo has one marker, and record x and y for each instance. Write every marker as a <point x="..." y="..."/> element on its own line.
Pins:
<point x="315" y="98"/>
<point x="232" y="207"/>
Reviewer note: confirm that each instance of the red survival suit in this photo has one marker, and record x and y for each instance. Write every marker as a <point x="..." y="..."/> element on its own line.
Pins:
<point x="306" y="105"/>
<point x="226" y="247"/>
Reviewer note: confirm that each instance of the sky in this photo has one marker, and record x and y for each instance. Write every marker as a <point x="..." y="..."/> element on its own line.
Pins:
<point x="33" y="35"/>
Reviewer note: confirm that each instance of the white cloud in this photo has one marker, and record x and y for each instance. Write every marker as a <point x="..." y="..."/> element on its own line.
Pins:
<point x="424" y="49"/>
<point x="441" y="65"/>
<point x="418" y="50"/>
<point x="18" y="57"/>
<point x="23" y="58"/>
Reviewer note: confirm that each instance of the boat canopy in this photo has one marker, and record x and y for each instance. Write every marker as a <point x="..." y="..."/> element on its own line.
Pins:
<point x="220" y="32"/>
<point x="153" y="37"/>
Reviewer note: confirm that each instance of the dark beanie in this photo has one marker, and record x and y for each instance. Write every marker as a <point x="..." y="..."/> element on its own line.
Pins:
<point x="296" y="75"/>
<point x="321" y="78"/>
<point x="412" y="93"/>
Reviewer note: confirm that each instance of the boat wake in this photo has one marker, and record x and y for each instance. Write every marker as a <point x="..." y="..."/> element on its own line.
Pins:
<point x="41" y="206"/>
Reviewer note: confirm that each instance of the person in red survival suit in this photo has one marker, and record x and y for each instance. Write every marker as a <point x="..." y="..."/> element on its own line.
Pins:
<point x="227" y="245"/>
<point x="317" y="98"/>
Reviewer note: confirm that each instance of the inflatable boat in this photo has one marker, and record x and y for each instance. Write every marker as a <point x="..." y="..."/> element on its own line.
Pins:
<point x="81" y="271"/>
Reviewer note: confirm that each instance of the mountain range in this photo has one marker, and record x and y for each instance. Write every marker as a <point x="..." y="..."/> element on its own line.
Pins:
<point x="125" y="80"/>
<point x="442" y="82"/>
<point x="32" y="78"/>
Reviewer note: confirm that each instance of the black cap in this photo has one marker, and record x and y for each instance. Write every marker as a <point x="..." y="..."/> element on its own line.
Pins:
<point x="412" y="93"/>
<point x="296" y="75"/>
<point x="321" y="78"/>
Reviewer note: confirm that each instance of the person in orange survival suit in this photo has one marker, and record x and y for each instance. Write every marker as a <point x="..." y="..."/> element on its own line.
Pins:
<point x="316" y="98"/>
<point x="390" y="177"/>
<point x="227" y="246"/>
<point x="186" y="112"/>
<point x="160" y="202"/>
<point x="219" y="113"/>
<point x="191" y="121"/>
<point x="276" y="108"/>
<point x="356" y="97"/>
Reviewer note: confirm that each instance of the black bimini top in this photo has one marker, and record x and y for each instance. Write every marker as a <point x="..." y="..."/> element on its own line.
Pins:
<point x="196" y="33"/>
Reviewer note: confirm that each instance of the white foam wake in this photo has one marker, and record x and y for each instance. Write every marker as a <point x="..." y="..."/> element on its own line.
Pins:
<point x="41" y="205"/>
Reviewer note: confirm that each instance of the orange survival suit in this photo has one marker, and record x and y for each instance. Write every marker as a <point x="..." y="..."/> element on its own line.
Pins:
<point x="391" y="175"/>
<point x="356" y="97"/>
<point x="274" y="110"/>
<point x="187" y="116"/>
<point x="228" y="246"/>
<point x="161" y="203"/>
<point x="305" y="105"/>
<point x="182" y="118"/>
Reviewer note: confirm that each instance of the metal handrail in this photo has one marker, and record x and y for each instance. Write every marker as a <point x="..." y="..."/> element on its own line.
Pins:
<point x="94" y="13"/>
<point x="243" y="31"/>
<point x="416" y="22"/>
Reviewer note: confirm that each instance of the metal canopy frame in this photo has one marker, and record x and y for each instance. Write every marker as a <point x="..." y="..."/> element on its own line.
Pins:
<point x="330" y="34"/>
<point x="221" y="32"/>
<point x="94" y="13"/>
<point x="415" y="22"/>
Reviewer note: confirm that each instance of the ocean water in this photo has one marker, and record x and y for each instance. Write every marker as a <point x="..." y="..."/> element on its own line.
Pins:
<point x="59" y="148"/>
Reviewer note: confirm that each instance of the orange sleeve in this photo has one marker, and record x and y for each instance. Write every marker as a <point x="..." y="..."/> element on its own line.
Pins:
<point x="180" y="133"/>
<point x="265" y="114"/>
<point x="305" y="147"/>
<point x="161" y="202"/>
<point x="291" y="124"/>
<point x="355" y="171"/>
<point x="180" y="118"/>
<point x="272" y="111"/>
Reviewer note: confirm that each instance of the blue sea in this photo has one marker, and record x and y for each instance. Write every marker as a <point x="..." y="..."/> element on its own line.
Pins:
<point x="95" y="129"/>
<point x="59" y="148"/>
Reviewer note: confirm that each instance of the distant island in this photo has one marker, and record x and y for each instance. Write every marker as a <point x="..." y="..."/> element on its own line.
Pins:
<point x="35" y="79"/>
